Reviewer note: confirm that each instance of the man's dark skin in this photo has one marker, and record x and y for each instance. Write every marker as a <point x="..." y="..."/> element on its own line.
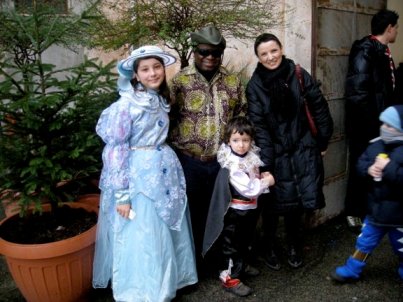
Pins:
<point x="208" y="65"/>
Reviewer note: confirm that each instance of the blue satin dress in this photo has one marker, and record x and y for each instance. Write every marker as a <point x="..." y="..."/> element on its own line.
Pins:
<point x="151" y="256"/>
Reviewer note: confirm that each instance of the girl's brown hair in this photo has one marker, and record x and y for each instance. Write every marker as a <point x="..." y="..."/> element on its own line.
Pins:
<point x="163" y="89"/>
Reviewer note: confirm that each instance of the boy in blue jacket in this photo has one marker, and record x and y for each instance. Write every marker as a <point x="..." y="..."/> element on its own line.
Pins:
<point x="384" y="175"/>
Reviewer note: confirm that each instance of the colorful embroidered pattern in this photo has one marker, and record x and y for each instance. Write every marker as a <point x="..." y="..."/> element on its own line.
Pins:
<point x="201" y="109"/>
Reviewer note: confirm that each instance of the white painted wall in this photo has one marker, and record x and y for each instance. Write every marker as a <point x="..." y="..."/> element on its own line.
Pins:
<point x="295" y="35"/>
<point x="296" y="38"/>
<point x="397" y="47"/>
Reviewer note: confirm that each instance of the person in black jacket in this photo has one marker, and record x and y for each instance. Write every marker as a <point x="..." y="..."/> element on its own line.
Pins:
<point x="384" y="175"/>
<point x="289" y="150"/>
<point x="369" y="87"/>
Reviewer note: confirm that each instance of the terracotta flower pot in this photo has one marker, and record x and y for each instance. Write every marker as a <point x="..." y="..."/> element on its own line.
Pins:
<point x="90" y="199"/>
<point x="53" y="272"/>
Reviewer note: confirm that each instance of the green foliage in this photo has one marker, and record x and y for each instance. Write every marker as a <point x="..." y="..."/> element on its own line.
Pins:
<point x="170" y="22"/>
<point x="48" y="114"/>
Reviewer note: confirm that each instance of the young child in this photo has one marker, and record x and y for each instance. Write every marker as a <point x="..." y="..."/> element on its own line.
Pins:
<point x="233" y="212"/>
<point x="384" y="175"/>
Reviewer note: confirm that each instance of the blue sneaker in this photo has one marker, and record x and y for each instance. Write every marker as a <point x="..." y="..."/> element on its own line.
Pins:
<point x="349" y="272"/>
<point x="400" y="271"/>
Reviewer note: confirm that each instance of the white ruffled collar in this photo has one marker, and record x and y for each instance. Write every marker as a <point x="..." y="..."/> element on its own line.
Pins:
<point x="227" y="159"/>
<point x="148" y="99"/>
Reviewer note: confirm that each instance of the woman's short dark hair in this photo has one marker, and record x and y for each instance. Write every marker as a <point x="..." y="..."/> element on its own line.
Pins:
<point x="241" y="125"/>
<point x="382" y="19"/>
<point x="266" y="37"/>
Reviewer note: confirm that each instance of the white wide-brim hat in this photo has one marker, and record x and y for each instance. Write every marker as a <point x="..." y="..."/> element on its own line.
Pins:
<point x="125" y="67"/>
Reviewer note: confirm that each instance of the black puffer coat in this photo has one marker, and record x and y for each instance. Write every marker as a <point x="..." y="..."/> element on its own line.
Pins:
<point x="289" y="151"/>
<point x="385" y="198"/>
<point x="368" y="91"/>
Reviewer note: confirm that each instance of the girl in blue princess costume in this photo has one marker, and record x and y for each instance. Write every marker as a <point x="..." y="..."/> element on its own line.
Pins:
<point x="144" y="243"/>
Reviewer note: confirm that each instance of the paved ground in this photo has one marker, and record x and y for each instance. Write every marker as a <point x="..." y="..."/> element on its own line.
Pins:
<point x="326" y="246"/>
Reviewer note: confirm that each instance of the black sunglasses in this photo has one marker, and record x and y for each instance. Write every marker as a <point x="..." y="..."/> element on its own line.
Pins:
<point x="216" y="53"/>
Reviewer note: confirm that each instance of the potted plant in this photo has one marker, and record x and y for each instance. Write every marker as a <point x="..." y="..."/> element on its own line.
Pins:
<point x="48" y="146"/>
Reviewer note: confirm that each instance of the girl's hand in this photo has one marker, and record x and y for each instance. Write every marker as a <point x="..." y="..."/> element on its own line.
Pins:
<point x="123" y="210"/>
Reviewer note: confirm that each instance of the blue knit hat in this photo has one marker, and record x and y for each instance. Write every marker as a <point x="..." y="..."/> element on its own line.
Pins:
<point x="393" y="116"/>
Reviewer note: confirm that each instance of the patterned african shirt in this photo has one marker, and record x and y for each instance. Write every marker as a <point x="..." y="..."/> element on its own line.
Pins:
<point x="202" y="109"/>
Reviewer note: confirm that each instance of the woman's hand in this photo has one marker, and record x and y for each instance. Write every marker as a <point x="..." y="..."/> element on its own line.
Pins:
<point x="123" y="210"/>
<point x="268" y="177"/>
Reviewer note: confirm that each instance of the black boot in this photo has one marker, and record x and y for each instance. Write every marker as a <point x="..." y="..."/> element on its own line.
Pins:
<point x="292" y="222"/>
<point x="294" y="257"/>
<point x="271" y="260"/>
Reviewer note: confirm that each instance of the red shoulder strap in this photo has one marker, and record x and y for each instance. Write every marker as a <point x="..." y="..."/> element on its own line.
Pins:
<point x="299" y="77"/>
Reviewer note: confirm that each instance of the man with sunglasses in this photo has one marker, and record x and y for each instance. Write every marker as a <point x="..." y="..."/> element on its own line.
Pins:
<point x="205" y="96"/>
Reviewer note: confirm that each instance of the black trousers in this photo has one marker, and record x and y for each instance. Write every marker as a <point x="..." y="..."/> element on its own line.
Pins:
<point x="356" y="191"/>
<point x="292" y="225"/>
<point x="236" y="238"/>
<point x="200" y="178"/>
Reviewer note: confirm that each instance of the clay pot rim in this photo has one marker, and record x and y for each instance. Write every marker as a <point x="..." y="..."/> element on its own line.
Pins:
<point x="51" y="249"/>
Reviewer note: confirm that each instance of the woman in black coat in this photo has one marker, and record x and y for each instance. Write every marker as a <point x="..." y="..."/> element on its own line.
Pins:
<point x="289" y="150"/>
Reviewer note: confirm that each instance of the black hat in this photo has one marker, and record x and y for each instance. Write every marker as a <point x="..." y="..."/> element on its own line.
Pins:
<point x="208" y="35"/>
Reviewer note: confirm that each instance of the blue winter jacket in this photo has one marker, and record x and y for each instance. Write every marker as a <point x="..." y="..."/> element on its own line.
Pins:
<point x="385" y="198"/>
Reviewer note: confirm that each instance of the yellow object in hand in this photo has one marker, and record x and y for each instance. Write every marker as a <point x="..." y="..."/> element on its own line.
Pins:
<point x="382" y="155"/>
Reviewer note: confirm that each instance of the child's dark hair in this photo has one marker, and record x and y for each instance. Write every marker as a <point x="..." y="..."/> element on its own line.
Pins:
<point x="241" y="125"/>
